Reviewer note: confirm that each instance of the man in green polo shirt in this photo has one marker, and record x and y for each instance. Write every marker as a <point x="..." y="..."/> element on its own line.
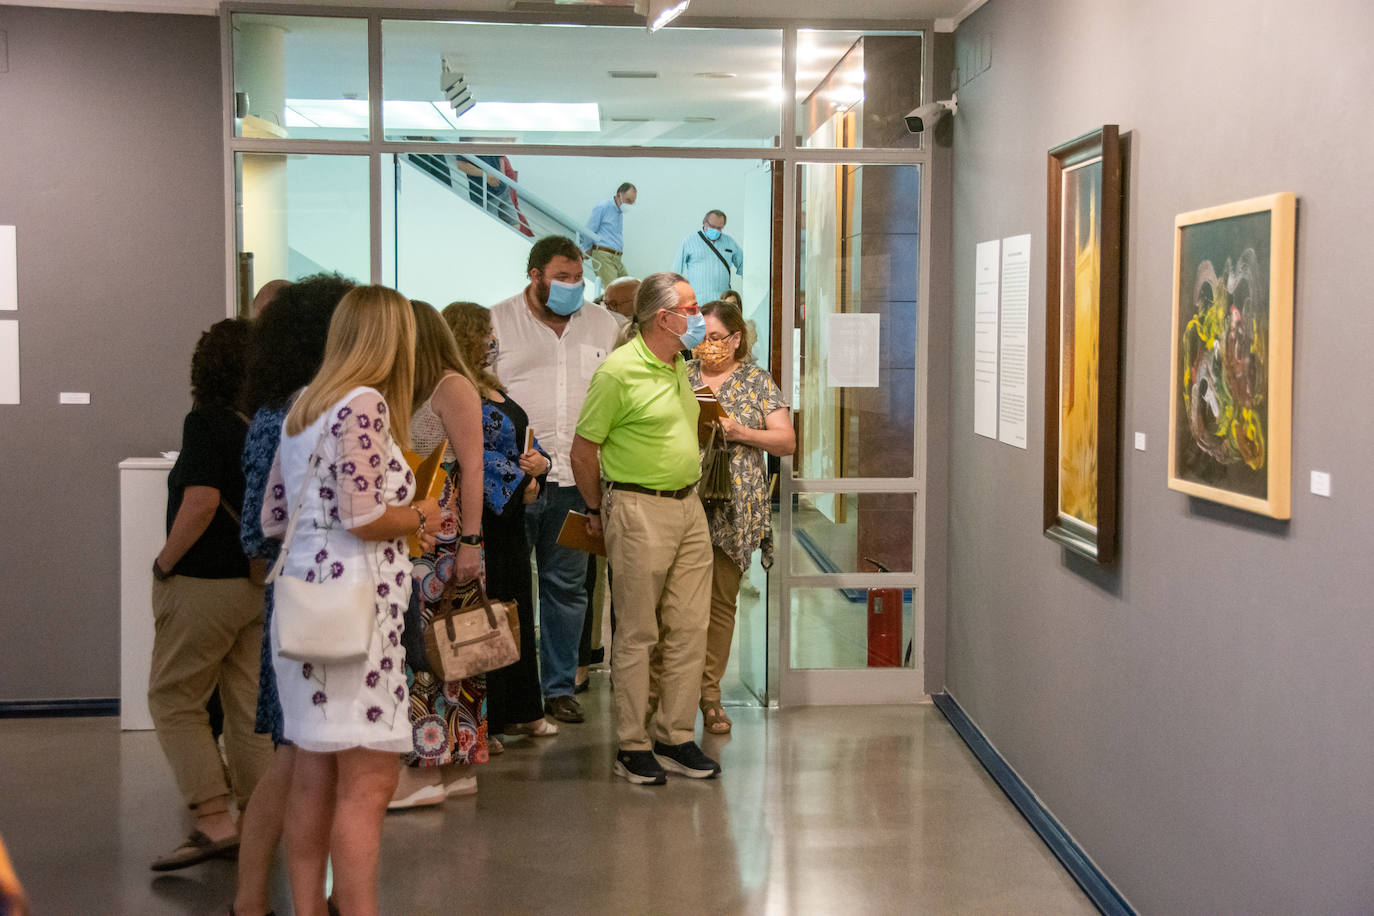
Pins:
<point x="637" y="430"/>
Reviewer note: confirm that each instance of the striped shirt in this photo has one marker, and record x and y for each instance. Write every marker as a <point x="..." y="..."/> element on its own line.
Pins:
<point x="605" y="227"/>
<point x="707" y="276"/>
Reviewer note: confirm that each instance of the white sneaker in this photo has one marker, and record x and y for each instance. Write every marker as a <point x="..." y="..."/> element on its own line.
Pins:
<point x="466" y="785"/>
<point x="425" y="795"/>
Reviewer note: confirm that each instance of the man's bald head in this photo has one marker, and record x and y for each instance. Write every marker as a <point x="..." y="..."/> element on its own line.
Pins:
<point x="267" y="294"/>
<point x="620" y="296"/>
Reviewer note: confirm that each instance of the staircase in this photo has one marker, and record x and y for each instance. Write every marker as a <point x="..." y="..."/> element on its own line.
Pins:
<point x="486" y="187"/>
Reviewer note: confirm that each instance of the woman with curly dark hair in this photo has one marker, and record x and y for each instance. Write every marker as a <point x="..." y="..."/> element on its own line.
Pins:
<point x="287" y="348"/>
<point x="207" y="612"/>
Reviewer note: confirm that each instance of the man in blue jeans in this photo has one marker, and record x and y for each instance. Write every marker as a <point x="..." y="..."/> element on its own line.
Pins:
<point x="549" y="342"/>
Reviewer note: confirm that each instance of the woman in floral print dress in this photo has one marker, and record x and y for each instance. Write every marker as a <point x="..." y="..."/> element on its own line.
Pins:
<point x="348" y="720"/>
<point x="756" y="421"/>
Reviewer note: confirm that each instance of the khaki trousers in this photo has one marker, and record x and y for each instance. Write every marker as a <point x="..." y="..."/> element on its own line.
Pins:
<point x="208" y="632"/>
<point x="608" y="267"/>
<point x="725" y="578"/>
<point x="660" y="550"/>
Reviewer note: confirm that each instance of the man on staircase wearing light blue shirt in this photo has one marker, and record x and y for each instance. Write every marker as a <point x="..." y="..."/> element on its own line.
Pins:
<point x="604" y="239"/>
<point x="705" y="258"/>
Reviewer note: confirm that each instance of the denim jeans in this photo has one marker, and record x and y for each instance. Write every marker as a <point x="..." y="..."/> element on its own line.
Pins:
<point x="562" y="588"/>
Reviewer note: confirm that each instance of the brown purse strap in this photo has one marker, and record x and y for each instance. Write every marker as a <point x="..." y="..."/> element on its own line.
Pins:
<point x="486" y="603"/>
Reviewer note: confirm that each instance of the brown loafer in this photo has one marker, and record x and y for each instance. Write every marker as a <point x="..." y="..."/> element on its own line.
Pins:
<point x="564" y="709"/>
<point x="195" y="849"/>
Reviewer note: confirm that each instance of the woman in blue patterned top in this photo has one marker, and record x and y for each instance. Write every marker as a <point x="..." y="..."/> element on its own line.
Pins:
<point x="514" y="701"/>
<point x="287" y="347"/>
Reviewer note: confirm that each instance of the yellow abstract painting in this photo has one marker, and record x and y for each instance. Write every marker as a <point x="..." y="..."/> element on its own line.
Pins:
<point x="1079" y="345"/>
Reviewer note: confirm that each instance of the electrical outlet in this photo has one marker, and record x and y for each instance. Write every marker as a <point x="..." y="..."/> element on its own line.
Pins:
<point x="1321" y="483"/>
<point x="1140" y="442"/>
<point x="74" y="397"/>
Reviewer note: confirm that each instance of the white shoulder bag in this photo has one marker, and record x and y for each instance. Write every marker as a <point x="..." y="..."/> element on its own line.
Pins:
<point x="319" y="621"/>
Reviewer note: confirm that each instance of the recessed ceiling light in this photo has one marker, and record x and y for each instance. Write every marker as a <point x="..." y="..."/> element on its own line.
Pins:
<point x="697" y="119"/>
<point x="632" y="119"/>
<point x="633" y="74"/>
<point x="716" y="75"/>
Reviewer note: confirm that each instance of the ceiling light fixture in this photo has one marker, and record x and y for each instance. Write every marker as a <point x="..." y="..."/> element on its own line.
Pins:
<point x="659" y="13"/>
<point x="714" y="75"/>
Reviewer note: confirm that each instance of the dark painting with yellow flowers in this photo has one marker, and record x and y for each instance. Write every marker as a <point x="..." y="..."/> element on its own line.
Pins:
<point x="1230" y="414"/>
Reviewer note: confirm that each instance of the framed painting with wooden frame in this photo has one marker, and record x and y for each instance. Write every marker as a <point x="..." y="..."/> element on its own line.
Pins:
<point x="1231" y="372"/>
<point x="1082" y="343"/>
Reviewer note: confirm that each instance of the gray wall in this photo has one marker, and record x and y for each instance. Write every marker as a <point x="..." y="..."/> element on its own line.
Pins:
<point x="110" y="167"/>
<point x="1200" y="719"/>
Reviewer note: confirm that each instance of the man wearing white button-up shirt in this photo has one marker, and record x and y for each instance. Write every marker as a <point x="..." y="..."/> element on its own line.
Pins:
<point x="549" y="342"/>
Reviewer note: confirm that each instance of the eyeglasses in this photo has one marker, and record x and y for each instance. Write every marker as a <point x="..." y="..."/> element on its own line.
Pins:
<point x="685" y="309"/>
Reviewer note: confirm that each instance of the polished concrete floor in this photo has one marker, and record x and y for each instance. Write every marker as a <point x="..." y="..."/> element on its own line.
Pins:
<point x="819" y="810"/>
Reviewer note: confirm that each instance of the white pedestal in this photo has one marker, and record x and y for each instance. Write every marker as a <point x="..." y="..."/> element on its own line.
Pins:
<point x="142" y="529"/>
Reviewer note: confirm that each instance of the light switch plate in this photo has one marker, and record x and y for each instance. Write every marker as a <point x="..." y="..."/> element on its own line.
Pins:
<point x="1140" y="442"/>
<point x="1321" y="483"/>
<point x="74" y="397"/>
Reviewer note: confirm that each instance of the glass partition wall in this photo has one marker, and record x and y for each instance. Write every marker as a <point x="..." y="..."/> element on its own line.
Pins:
<point x="427" y="152"/>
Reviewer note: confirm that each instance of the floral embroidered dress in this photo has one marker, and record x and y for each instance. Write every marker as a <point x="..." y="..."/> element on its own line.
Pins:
<point x="448" y="718"/>
<point x="742" y="523"/>
<point x="359" y="472"/>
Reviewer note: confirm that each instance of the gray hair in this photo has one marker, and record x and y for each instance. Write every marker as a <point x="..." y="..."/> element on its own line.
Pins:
<point x="656" y="292"/>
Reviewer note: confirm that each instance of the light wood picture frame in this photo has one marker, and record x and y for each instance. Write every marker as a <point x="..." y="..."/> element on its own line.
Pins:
<point x="1231" y="366"/>
<point x="1082" y="343"/>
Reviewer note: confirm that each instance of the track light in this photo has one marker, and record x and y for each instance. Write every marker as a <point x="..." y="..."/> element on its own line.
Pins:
<point x="659" y="13"/>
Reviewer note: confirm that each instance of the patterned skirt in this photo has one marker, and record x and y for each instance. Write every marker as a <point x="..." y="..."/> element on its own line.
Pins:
<point x="448" y="719"/>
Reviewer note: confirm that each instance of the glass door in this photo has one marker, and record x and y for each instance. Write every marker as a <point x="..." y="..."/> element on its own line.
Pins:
<point x="851" y="617"/>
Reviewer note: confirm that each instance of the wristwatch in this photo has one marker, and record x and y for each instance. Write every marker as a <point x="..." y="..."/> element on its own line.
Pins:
<point x="593" y="510"/>
<point x="471" y="540"/>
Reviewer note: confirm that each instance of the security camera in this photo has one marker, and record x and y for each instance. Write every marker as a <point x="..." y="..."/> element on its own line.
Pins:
<point x="927" y="116"/>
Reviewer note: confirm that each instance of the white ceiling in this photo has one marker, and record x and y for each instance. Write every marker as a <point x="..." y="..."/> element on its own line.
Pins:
<point x="946" y="13"/>
<point x="738" y="104"/>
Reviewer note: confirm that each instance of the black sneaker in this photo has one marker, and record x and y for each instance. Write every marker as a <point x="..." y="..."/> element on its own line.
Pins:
<point x="687" y="759"/>
<point x="640" y="768"/>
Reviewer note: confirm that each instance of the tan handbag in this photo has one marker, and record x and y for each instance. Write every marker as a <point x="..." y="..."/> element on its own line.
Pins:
<point x="473" y="639"/>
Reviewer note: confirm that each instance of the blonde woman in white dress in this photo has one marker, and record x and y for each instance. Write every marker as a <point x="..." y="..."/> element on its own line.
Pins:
<point x="348" y="720"/>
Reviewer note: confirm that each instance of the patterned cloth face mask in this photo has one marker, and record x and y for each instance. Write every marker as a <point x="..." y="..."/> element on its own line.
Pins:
<point x="713" y="353"/>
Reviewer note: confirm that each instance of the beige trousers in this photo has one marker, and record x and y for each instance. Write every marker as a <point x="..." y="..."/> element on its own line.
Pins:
<point x="608" y="267"/>
<point x="660" y="550"/>
<point x="725" y="578"/>
<point x="208" y="632"/>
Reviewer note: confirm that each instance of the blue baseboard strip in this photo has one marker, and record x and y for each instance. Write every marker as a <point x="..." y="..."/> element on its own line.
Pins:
<point x="42" y="709"/>
<point x="1069" y="853"/>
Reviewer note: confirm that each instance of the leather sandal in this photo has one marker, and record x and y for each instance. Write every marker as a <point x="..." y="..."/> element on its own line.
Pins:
<point x="714" y="718"/>
<point x="195" y="849"/>
<point x="542" y="728"/>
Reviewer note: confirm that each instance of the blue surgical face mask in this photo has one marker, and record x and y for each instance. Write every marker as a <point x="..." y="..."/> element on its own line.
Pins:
<point x="711" y="233"/>
<point x="696" y="331"/>
<point x="564" y="298"/>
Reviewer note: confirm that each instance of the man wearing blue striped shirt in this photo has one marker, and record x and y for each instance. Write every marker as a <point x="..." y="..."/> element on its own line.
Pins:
<point x="705" y="258"/>
<point x="604" y="239"/>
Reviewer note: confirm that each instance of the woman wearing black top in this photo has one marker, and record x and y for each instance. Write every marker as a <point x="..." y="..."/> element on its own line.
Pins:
<point x="509" y="471"/>
<point x="207" y="613"/>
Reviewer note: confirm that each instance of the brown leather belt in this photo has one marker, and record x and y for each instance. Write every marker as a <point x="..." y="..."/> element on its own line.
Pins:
<point x="666" y="494"/>
<point x="603" y="248"/>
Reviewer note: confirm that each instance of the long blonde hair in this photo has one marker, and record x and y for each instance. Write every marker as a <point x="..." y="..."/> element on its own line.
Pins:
<point x="371" y="343"/>
<point x="436" y="353"/>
